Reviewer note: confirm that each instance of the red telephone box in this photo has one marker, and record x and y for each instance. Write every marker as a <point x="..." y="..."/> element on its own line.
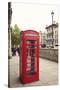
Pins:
<point x="29" y="56"/>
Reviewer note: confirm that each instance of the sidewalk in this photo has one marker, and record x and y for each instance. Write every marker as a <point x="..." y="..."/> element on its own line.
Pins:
<point x="48" y="73"/>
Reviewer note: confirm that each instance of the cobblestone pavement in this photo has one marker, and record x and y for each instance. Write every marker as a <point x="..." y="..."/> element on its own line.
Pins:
<point x="48" y="73"/>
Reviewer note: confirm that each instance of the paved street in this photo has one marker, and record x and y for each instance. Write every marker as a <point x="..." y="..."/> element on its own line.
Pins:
<point x="48" y="73"/>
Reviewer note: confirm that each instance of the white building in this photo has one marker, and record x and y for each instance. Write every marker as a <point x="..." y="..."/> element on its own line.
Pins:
<point x="55" y="35"/>
<point x="43" y="37"/>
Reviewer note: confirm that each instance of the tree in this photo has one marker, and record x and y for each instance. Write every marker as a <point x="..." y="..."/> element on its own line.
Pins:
<point x="15" y="35"/>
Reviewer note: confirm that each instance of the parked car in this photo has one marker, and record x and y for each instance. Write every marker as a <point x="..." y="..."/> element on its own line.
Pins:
<point x="43" y="45"/>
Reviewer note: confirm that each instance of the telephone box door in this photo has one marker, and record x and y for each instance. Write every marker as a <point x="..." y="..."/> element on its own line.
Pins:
<point x="32" y="61"/>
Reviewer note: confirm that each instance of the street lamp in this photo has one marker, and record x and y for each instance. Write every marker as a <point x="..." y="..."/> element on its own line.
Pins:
<point x="52" y="13"/>
<point x="9" y="29"/>
<point x="9" y="39"/>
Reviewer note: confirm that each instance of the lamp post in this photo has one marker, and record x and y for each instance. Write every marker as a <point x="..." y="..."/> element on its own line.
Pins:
<point x="52" y="14"/>
<point x="9" y="29"/>
<point x="9" y="40"/>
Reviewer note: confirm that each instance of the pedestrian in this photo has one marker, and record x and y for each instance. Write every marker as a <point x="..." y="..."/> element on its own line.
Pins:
<point x="18" y="50"/>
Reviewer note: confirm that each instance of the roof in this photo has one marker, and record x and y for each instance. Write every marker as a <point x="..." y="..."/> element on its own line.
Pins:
<point x="54" y="25"/>
<point x="29" y="31"/>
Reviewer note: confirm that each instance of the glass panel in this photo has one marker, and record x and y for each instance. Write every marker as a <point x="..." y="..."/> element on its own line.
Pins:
<point x="31" y="66"/>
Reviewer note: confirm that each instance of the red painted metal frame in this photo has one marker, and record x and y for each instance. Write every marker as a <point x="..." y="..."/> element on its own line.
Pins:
<point x="23" y="56"/>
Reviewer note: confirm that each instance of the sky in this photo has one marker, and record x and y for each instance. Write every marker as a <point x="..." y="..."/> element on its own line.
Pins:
<point x="33" y="15"/>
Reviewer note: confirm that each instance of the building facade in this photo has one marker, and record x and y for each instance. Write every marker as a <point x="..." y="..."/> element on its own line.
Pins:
<point x="43" y="38"/>
<point x="55" y="35"/>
